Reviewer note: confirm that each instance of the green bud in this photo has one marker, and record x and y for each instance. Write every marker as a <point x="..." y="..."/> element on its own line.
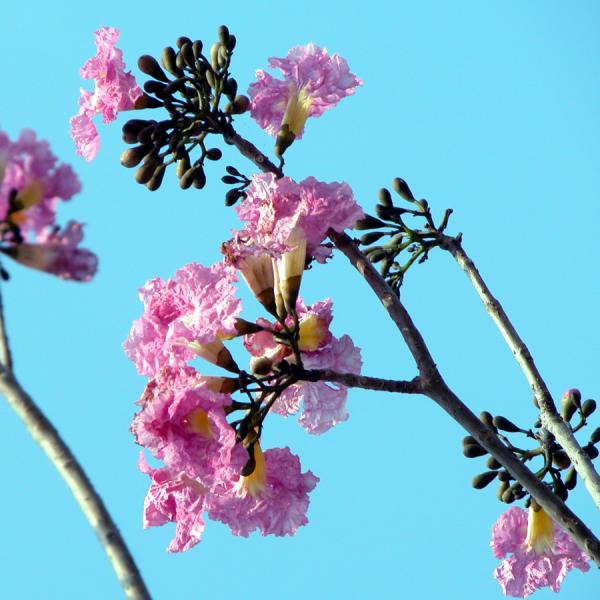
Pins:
<point x="183" y="40"/>
<point x="376" y="254"/>
<point x="223" y="34"/>
<point x="501" y="489"/>
<point x="504" y="424"/>
<point x="285" y="138"/>
<point x="483" y="479"/>
<point x="241" y="104"/>
<point x="214" y="56"/>
<point x="508" y="496"/>
<point x="570" y="402"/>
<point x="401" y="187"/>
<point x="588" y="407"/>
<point x="156" y="178"/>
<point x="504" y="476"/>
<point x="168" y="59"/>
<point x="186" y="180"/>
<point x="188" y="55"/>
<point x="133" y="156"/>
<point x="183" y="165"/>
<point x="145" y="173"/>
<point x="197" y="48"/>
<point x="487" y="418"/>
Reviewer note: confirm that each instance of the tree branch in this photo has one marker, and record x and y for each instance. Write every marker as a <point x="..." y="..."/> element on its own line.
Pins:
<point x="551" y="420"/>
<point x="362" y="381"/>
<point x="91" y="504"/>
<point x="436" y="388"/>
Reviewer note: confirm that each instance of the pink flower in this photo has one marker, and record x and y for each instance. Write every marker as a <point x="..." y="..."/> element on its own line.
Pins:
<point x="273" y="208"/>
<point x="542" y="553"/>
<point x="323" y="404"/>
<point x="57" y="253"/>
<point x="196" y="307"/>
<point x="115" y="90"/>
<point x="41" y="182"/>
<point x="274" y="502"/>
<point x="183" y="423"/>
<point x="313" y="83"/>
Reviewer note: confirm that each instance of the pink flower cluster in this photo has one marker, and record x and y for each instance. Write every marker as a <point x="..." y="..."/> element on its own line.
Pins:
<point x="273" y="208"/>
<point x="30" y="169"/>
<point x="541" y="552"/>
<point x="115" y="90"/>
<point x="313" y="82"/>
<point x="323" y="404"/>
<point x="182" y="420"/>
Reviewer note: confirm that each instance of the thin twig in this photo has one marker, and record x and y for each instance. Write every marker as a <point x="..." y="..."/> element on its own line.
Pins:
<point x="436" y="388"/>
<point x="363" y="381"/>
<point x="5" y="353"/>
<point x="91" y="504"/>
<point x="551" y="419"/>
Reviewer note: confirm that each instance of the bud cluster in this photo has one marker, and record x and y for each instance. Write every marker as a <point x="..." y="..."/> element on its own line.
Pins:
<point x="556" y="469"/>
<point x="416" y="242"/>
<point x="190" y="86"/>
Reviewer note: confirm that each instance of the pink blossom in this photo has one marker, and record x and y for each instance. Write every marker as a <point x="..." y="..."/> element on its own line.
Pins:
<point x="183" y="424"/>
<point x="115" y="90"/>
<point x="280" y="506"/>
<point x="174" y="497"/>
<point x="57" y="253"/>
<point x="542" y="553"/>
<point x="313" y="83"/>
<point x="198" y="305"/>
<point x="274" y="207"/>
<point x="323" y="403"/>
<point x="30" y="166"/>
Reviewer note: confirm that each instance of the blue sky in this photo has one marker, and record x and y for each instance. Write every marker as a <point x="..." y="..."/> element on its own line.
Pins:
<point x="489" y="108"/>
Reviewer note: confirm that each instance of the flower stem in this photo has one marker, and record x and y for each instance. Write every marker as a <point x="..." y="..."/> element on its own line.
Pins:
<point x="550" y="417"/>
<point x="91" y="504"/>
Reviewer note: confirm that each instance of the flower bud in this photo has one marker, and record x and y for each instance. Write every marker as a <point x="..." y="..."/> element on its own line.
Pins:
<point x="285" y="138"/>
<point x="571" y="479"/>
<point x="483" y="479"/>
<point x="561" y="459"/>
<point x="257" y="272"/>
<point x="149" y="65"/>
<point x="291" y="267"/>
<point x="474" y="450"/>
<point x="385" y="198"/>
<point x="504" y="424"/>
<point x="169" y="61"/>
<point x="221" y="385"/>
<point x="215" y="353"/>
<point x="401" y="188"/>
<point x="492" y="463"/>
<point x="133" y="156"/>
<point x="262" y="365"/>
<point x="368" y="222"/>
<point x="595" y="437"/>
<point x="156" y="178"/>
<point x="571" y="401"/>
<point x="588" y="407"/>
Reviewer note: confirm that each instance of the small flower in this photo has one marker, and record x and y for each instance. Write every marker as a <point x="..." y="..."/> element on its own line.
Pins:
<point x="312" y="83"/>
<point x="181" y="315"/>
<point x="542" y="553"/>
<point x="115" y="90"/>
<point x="274" y="209"/>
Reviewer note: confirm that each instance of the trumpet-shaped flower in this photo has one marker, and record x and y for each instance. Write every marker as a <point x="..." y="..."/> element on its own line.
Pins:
<point x="115" y="90"/>
<point x="313" y="82"/>
<point x="541" y="552"/>
<point x="274" y="208"/>
<point x="196" y="307"/>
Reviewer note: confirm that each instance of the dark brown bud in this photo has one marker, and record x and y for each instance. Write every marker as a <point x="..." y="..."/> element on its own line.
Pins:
<point x="145" y="173"/>
<point x="262" y="366"/>
<point x="368" y="222"/>
<point x="213" y="154"/>
<point x="508" y="496"/>
<point x="183" y="165"/>
<point x="487" y="418"/>
<point x="145" y="135"/>
<point x="249" y="467"/>
<point x="501" y="489"/>
<point x="232" y="196"/>
<point x="401" y="187"/>
<point x="188" y="54"/>
<point x="186" y="180"/>
<point x="183" y="40"/>
<point x="504" y="424"/>
<point x="145" y="101"/>
<point x="132" y="128"/>
<point x="483" y="479"/>
<point x="492" y="463"/>
<point x="241" y="104"/>
<point x="588" y="407"/>
<point x="231" y="42"/>
<point x="504" y="476"/>
<point x="595" y="437"/>
<point x="571" y="479"/>
<point x="376" y="254"/>
<point x="285" y="138"/>
<point x="149" y="65"/>
<point x="371" y="237"/>
<point x="560" y="490"/>
<point x="244" y="327"/>
<point x="474" y="450"/>
<point x="385" y="197"/>
<point x="561" y="459"/>
<point x="156" y="178"/>
<point x="197" y="48"/>
<point x="199" y="180"/>
<point x="591" y="451"/>
<point x="223" y="33"/>
<point x="230" y="88"/>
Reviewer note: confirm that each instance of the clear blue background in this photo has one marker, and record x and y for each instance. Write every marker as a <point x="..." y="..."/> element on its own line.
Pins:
<point x="491" y="108"/>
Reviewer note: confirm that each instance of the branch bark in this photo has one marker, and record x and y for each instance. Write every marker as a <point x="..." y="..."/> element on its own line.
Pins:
<point x="434" y="386"/>
<point x="550" y="417"/>
<point x="47" y="437"/>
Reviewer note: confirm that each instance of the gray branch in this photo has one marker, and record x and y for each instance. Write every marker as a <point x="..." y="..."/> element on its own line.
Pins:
<point x="551" y="419"/>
